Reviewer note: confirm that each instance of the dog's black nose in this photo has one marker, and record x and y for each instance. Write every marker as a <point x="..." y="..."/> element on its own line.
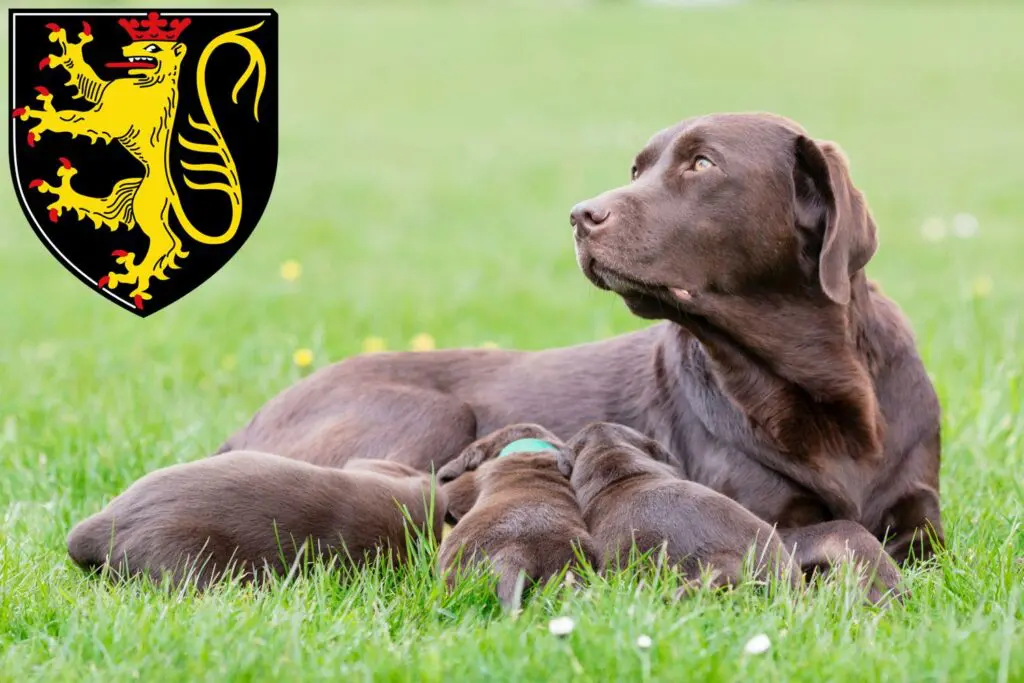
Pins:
<point x="586" y="216"/>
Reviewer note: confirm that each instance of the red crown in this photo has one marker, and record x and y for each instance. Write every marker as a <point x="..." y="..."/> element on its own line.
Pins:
<point x="153" y="27"/>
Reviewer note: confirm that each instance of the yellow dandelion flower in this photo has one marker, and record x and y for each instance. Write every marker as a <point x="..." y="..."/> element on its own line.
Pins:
<point x="303" y="358"/>
<point x="982" y="287"/>
<point x="291" y="270"/>
<point x="374" y="345"/>
<point x="422" y="342"/>
<point x="489" y="345"/>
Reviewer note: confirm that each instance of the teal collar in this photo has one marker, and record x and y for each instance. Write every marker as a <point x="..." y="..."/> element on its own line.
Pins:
<point x="527" y="446"/>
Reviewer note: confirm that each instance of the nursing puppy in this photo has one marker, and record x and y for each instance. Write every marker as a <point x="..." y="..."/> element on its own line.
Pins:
<point x="630" y="494"/>
<point x="251" y="513"/>
<point x="514" y="512"/>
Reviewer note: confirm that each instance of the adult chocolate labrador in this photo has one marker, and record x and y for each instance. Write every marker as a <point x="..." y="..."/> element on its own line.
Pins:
<point x="782" y="378"/>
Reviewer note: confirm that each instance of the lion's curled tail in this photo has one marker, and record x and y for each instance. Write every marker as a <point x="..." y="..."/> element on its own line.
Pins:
<point x="226" y="167"/>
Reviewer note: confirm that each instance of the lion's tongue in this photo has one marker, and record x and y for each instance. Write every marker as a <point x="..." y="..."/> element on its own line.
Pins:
<point x="131" y="65"/>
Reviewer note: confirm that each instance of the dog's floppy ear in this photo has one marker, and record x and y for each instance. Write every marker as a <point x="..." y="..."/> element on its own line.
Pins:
<point x="565" y="459"/>
<point x="460" y="495"/>
<point x="825" y="193"/>
<point x="469" y="459"/>
<point x="646" y="444"/>
<point x="658" y="452"/>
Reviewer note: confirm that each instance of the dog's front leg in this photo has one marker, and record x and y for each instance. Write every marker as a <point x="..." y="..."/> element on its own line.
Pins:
<point x="825" y="546"/>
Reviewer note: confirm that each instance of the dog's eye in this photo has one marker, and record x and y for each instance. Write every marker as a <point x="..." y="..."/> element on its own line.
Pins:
<point x="702" y="164"/>
<point x="633" y="173"/>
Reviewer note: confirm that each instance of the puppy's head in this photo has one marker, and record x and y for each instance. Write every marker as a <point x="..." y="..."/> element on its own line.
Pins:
<point x="726" y="207"/>
<point x="498" y="443"/>
<point x="603" y="452"/>
<point x="459" y="476"/>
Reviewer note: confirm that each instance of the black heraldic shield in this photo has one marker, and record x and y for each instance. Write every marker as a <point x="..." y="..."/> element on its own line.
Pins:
<point x="143" y="144"/>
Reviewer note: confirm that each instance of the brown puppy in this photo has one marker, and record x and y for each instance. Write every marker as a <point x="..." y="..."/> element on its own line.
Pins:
<point x="630" y="494"/>
<point x="781" y="377"/>
<point x="523" y="516"/>
<point x="250" y="511"/>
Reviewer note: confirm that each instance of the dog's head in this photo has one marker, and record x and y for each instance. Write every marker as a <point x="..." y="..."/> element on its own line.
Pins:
<point x="731" y="205"/>
<point x="459" y="476"/>
<point x="491" y="446"/>
<point x="604" y="452"/>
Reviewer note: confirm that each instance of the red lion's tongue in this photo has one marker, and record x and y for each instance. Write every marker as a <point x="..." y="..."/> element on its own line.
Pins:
<point x="131" y="65"/>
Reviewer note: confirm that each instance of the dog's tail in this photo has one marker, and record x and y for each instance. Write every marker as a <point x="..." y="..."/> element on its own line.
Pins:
<point x="515" y="575"/>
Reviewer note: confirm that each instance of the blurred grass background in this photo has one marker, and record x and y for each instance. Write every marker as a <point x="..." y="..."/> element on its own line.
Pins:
<point x="430" y="153"/>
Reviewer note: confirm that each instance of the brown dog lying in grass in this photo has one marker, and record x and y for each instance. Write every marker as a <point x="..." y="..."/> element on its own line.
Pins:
<point x="629" y="494"/>
<point x="250" y="513"/>
<point x="514" y="511"/>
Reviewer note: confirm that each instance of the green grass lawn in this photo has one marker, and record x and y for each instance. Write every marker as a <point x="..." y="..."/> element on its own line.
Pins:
<point x="429" y="159"/>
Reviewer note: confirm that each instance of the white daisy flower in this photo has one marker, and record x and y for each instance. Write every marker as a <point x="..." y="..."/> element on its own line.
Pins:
<point x="561" y="626"/>
<point x="759" y="644"/>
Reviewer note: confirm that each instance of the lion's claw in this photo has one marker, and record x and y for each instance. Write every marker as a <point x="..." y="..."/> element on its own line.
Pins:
<point x="138" y="301"/>
<point x="19" y="112"/>
<point x="43" y="63"/>
<point x="86" y="29"/>
<point x="119" y="253"/>
<point x="53" y="27"/>
<point x="35" y="183"/>
<point x="103" y="281"/>
<point x="53" y="215"/>
<point x="45" y="97"/>
<point x="64" y="162"/>
<point x="31" y="139"/>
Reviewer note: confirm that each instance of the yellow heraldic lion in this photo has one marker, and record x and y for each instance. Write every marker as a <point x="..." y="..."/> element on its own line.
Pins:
<point x="138" y="112"/>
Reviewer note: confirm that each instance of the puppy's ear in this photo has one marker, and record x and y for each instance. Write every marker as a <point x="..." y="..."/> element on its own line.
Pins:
<point x="565" y="459"/>
<point x="461" y="495"/>
<point x="825" y="194"/>
<point x="469" y="459"/>
<point x="659" y="452"/>
<point x="646" y="444"/>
